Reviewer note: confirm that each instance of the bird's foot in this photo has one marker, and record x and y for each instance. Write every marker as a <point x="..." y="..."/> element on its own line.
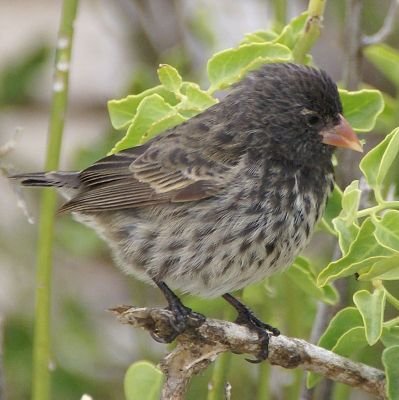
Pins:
<point x="247" y="318"/>
<point x="183" y="317"/>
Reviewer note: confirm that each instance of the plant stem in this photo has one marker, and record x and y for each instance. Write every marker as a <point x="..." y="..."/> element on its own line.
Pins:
<point x="220" y="367"/>
<point x="41" y="387"/>
<point x="311" y="32"/>
<point x="353" y="59"/>
<point x="392" y="299"/>
<point x="219" y="373"/>
<point x="375" y="209"/>
<point x="280" y="14"/>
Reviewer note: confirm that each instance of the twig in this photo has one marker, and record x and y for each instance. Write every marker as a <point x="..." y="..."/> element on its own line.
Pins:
<point x="198" y="347"/>
<point x="353" y="53"/>
<point x="387" y="27"/>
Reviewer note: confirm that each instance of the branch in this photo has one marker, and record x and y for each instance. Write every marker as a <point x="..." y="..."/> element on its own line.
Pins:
<point x="353" y="54"/>
<point x="198" y="347"/>
<point x="387" y="27"/>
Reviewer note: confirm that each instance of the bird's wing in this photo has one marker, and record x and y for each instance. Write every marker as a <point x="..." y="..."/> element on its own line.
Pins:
<point x="146" y="175"/>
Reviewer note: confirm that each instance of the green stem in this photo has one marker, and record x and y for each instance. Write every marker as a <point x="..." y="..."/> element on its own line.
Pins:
<point x="41" y="386"/>
<point x="375" y="209"/>
<point x="392" y="299"/>
<point x="311" y="32"/>
<point x="280" y="14"/>
<point x="220" y="367"/>
<point x="392" y="322"/>
<point x="263" y="386"/>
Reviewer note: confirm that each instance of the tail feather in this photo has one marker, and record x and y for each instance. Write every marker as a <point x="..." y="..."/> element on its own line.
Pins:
<point x="46" y="179"/>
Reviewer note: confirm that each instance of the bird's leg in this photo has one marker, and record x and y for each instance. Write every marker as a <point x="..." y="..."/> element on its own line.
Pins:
<point x="246" y="317"/>
<point x="184" y="317"/>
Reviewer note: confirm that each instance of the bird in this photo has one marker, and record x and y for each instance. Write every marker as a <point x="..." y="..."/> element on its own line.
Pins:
<point x="225" y="199"/>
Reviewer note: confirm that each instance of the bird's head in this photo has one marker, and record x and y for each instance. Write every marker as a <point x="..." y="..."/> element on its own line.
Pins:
<point x="296" y="112"/>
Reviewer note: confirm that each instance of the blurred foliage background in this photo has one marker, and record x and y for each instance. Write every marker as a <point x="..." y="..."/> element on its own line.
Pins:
<point x="118" y="47"/>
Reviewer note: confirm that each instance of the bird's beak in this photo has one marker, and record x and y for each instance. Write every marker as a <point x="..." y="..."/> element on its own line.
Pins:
<point x="342" y="135"/>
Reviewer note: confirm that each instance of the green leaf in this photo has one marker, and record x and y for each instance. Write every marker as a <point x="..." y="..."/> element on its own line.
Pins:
<point x="152" y="111"/>
<point x="260" y="36"/>
<point x="229" y="66"/>
<point x="350" y="201"/>
<point x="196" y="99"/>
<point x="389" y="117"/>
<point x="343" y="321"/>
<point x="376" y="163"/>
<point x="362" y="108"/>
<point x="371" y="306"/>
<point x="390" y="359"/>
<point x="386" y="59"/>
<point x="386" y="268"/>
<point x="168" y="121"/>
<point x="170" y="78"/>
<point x="345" y="224"/>
<point x="123" y="111"/>
<point x="346" y="233"/>
<point x="333" y="207"/>
<point x="350" y="342"/>
<point x="390" y="336"/>
<point x="143" y="381"/>
<point x="301" y="274"/>
<point x="387" y="230"/>
<point x="360" y="255"/>
<point x="289" y="35"/>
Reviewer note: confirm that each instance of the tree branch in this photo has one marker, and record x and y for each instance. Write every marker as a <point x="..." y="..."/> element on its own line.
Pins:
<point x="198" y="347"/>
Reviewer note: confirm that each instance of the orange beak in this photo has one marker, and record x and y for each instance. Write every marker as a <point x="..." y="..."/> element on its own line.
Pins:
<point x="342" y="135"/>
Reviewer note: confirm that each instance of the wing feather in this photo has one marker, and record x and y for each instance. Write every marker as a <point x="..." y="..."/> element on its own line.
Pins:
<point x="154" y="173"/>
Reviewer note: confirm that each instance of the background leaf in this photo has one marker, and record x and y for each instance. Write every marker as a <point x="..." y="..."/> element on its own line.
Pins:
<point x="170" y="78"/>
<point x="122" y="111"/>
<point x="376" y="163"/>
<point x="344" y="223"/>
<point x="343" y="321"/>
<point x="361" y="108"/>
<point x="229" y="66"/>
<point x="385" y="268"/>
<point x="143" y="381"/>
<point x="371" y="306"/>
<point x="386" y="59"/>
<point x="360" y="254"/>
<point x="290" y="33"/>
<point x="390" y="359"/>
<point x="387" y="230"/>
<point x="301" y="274"/>
<point x="151" y="111"/>
<point x="390" y="336"/>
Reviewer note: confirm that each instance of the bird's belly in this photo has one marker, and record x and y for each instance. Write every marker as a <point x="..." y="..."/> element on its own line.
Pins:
<point x="210" y="252"/>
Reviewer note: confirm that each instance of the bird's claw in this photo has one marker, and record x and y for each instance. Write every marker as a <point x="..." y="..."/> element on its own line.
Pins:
<point x="183" y="318"/>
<point x="263" y="337"/>
<point x="262" y="329"/>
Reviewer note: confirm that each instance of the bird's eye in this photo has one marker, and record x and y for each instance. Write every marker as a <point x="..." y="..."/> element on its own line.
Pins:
<point x="313" y="119"/>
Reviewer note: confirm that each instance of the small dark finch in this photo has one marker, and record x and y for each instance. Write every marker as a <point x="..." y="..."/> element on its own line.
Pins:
<point x="223" y="200"/>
